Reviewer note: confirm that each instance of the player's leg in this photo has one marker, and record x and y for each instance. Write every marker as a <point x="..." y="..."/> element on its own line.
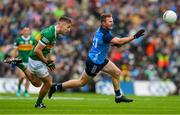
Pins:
<point x="20" y="76"/>
<point x="90" y="71"/>
<point x="35" y="81"/>
<point x="47" y="83"/>
<point x="77" y="83"/>
<point x="115" y="72"/>
<point x="41" y="71"/>
<point x="27" y="83"/>
<point x="18" y="62"/>
<point x="70" y="84"/>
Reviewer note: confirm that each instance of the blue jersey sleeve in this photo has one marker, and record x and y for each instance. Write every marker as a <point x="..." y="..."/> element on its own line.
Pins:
<point x="107" y="37"/>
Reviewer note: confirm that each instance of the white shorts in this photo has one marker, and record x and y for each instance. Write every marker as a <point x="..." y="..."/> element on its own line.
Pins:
<point x="38" y="68"/>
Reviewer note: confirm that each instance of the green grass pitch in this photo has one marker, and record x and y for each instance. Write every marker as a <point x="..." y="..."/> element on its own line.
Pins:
<point x="89" y="104"/>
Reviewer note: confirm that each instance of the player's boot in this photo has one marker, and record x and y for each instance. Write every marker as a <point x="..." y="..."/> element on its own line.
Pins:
<point x="41" y="105"/>
<point x="26" y="94"/>
<point x="123" y="99"/>
<point x="18" y="94"/>
<point x="13" y="60"/>
<point x="51" y="91"/>
<point x="17" y="62"/>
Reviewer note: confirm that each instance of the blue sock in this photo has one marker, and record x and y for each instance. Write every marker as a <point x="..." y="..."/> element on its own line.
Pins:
<point x="58" y="87"/>
<point x="117" y="93"/>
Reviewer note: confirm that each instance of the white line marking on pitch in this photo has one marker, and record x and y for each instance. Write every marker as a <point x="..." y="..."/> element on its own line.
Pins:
<point x="32" y="98"/>
<point x="54" y="98"/>
<point x="92" y="114"/>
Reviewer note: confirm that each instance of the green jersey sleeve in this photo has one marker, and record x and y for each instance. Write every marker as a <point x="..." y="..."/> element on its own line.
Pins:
<point x="48" y="35"/>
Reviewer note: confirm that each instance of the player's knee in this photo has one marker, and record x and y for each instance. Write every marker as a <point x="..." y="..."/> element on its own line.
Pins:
<point x="50" y="83"/>
<point x="81" y="83"/>
<point x="117" y="73"/>
<point x="21" y="78"/>
<point x="37" y="84"/>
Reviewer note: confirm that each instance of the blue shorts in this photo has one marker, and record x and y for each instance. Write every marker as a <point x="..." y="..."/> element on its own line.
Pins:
<point x="92" y="69"/>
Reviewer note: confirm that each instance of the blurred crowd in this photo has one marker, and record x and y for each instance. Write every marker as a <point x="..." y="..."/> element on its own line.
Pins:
<point x="156" y="56"/>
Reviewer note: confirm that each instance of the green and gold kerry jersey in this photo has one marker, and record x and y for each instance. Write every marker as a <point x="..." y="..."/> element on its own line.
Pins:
<point x="47" y="37"/>
<point x="24" y="46"/>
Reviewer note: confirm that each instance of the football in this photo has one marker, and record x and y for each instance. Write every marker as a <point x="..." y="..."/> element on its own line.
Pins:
<point x="170" y="16"/>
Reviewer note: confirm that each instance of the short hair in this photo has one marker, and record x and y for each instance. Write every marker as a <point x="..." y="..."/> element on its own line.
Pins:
<point x="65" y="19"/>
<point x="104" y="16"/>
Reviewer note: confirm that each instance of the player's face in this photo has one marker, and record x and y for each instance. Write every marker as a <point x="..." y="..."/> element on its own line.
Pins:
<point x="67" y="28"/>
<point x="109" y="23"/>
<point x="64" y="28"/>
<point x="26" y="32"/>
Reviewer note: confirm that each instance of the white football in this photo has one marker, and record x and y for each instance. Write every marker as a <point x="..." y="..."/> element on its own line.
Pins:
<point x="170" y="16"/>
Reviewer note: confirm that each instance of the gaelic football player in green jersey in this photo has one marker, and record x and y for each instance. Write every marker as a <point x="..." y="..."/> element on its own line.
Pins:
<point x="22" y="46"/>
<point x="38" y="65"/>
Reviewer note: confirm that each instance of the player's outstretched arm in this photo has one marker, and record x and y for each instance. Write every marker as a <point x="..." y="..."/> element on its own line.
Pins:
<point x="121" y="41"/>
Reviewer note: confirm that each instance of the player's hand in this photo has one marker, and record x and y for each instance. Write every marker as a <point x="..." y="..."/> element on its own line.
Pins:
<point x="139" y="33"/>
<point x="51" y="65"/>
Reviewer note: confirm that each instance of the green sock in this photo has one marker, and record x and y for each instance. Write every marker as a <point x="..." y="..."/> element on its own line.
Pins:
<point x="21" y="66"/>
<point x="39" y="100"/>
<point x="19" y="88"/>
<point x="26" y="91"/>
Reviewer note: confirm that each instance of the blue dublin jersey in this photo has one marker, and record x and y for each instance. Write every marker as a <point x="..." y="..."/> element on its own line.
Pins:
<point x="100" y="45"/>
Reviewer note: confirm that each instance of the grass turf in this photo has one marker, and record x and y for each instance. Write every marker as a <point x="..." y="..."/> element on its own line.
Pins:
<point x="88" y="103"/>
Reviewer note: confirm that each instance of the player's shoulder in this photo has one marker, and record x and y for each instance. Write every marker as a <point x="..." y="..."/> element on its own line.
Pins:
<point x="48" y="32"/>
<point x="103" y="30"/>
<point x="100" y="32"/>
<point x="18" y="39"/>
<point x="48" y="29"/>
<point x="32" y="38"/>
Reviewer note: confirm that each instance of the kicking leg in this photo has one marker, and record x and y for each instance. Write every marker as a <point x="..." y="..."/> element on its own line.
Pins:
<point x="70" y="84"/>
<point x="77" y="83"/>
<point x="18" y="62"/>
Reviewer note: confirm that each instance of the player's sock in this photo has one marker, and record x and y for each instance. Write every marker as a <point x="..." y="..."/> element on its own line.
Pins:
<point x="26" y="91"/>
<point x="19" y="87"/>
<point x="26" y="94"/>
<point x="58" y="87"/>
<point x="39" y="100"/>
<point x="19" y="91"/>
<point x="54" y="88"/>
<point x="118" y="93"/>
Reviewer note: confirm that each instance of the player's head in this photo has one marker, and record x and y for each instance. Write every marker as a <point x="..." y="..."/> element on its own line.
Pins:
<point x="26" y="31"/>
<point x="64" y="25"/>
<point x="107" y="21"/>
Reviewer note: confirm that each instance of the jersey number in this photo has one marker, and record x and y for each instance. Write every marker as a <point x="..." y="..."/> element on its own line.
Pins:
<point x="95" y="42"/>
